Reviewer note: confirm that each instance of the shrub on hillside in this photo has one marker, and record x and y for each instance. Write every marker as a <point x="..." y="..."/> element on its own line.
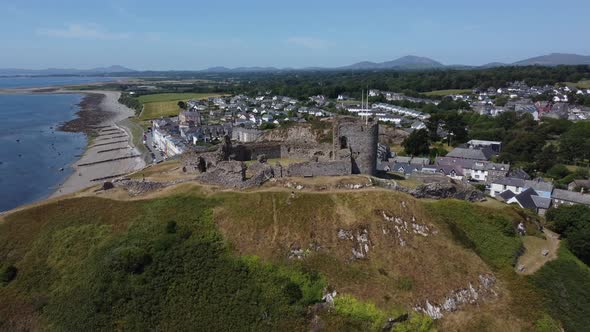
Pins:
<point x="573" y="223"/>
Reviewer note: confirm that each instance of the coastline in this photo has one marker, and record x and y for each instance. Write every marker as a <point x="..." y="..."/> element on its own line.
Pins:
<point x="110" y="152"/>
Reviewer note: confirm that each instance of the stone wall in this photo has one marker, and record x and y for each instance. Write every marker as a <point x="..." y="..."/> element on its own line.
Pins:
<point x="318" y="151"/>
<point x="312" y="169"/>
<point x="360" y="137"/>
<point x="244" y="152"/>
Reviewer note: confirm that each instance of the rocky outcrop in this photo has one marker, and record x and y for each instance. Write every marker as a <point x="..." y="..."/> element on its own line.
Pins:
<point x="401" y="229"/>
<point x="360" y="238"/>
<point x="483" y="291"/>
<point x="448" y="190"/>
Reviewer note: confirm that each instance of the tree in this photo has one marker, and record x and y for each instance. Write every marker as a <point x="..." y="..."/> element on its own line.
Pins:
<point x="573" y="223"/>
<point x="182" y="105"/>
<point x="432" y="125"/>
<point x="558" y="171"/>
<point x="456" y="126"/>
<point x="546" y="159"/>
<point x="417" y="144"/>
<point x="501" y="101"/>
<point x="574" y="143"/>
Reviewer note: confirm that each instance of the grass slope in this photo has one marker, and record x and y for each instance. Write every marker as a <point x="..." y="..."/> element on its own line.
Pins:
<point x="191" y="261"/>
<point x="96" y="264"/>
<point x="565" y="284"/>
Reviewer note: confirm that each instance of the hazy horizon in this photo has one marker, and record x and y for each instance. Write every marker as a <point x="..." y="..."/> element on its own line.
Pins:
<point x="182" y="35"/>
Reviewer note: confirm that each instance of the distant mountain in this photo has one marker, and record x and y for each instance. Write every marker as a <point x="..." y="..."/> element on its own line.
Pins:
<point x="65" y="71"/>
<point x="221" y="69"/>
<point x="555" y="59"/>
<point x="406" y="62"/>
<point x="494" y="65"/>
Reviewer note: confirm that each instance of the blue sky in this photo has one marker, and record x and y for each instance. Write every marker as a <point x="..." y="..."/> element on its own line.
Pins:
<point x="176" y="34"/>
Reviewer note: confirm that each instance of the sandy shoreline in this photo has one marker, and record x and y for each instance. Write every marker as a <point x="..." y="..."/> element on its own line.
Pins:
<point x="110" y="154"/>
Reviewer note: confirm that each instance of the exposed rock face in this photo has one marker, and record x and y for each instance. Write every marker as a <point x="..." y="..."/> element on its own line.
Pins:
<point x="400" y="228"/>
<point x="360" y="237"/>
<point x="482" y="292"/>
<point x="390" y="135"/>
<point x="448" y="190"/>
<point x="135" y="187"/>
<point x="301" y="133"/>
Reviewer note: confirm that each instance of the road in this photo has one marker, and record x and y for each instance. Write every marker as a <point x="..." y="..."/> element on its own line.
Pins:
<point x="153" y="151"/>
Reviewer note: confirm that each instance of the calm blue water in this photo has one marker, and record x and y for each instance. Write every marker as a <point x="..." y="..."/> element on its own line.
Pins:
<point x="31" y="152"/>
<point x="35" y="82"/>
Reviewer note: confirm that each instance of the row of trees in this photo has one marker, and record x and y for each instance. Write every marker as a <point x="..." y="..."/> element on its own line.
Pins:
<point x="332" y="83"/>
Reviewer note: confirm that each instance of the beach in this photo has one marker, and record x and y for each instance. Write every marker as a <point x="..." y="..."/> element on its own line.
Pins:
<point x="111" y="153"/>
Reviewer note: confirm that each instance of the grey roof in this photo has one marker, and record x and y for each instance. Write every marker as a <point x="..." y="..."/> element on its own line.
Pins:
<point x="448" y="161"/>
<point x="405" y="168"/>
<point x="510" y="182"/>
<point x="420" y="161"/>
<point x="402" y="159"/>
<point x="542" y="202"/>
<point x="497" y="167"/>
<point x="447" y="169"/>
<point x="539" y="185"/>
<point x="506" y="195"/>
<point x="525" y="199"/>
<point x="519" y="173"/>
<point x="469" y="153"/>
<point x="580" y="183"/>
<point x="571" y="196"/>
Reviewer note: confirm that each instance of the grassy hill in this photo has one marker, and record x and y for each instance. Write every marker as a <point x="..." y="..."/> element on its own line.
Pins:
<point x="194" y="259"/>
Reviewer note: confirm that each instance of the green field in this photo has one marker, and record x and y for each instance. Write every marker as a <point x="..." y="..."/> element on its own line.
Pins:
<point x="166" y="104"/>
<point x="442" y="93"/>
<point x="159" y="109"/>
<point x="585" y="84"/>
<point x="175" y="97"/>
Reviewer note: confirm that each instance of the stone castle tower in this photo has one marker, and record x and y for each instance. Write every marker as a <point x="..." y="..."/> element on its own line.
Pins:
<point x="357" y="139"/>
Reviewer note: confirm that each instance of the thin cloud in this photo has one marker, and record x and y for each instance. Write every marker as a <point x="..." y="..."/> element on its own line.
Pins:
<point x="82" y="31"/>
<point x="308" y="42"/>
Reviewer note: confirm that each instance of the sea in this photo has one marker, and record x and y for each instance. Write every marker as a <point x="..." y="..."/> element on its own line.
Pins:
<point x="35" y="157"/>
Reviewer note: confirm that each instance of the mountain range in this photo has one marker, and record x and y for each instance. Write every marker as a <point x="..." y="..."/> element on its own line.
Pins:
<point x="409" y="62"/>
<point x="65" y="71"/>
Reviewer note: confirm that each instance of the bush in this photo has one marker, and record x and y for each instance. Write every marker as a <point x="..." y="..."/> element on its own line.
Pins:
<point x="573" y="223"/>
<point x="558" y="171"/>
<point x="8" y="274"/>
<point x="130" y="259"/>
<point x="364" y="312"/>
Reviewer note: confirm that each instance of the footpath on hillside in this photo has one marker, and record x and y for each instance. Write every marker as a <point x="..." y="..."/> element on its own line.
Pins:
<point x="538" y="252"/>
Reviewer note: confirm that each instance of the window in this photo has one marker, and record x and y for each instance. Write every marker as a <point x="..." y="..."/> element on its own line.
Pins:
<point x="343" y="142"/>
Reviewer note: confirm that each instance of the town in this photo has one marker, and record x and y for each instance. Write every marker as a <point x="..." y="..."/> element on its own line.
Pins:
<point x="246" y="121"/>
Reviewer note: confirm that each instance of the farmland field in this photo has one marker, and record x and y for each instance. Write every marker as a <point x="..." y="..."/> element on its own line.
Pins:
<point x="442" y="93"/>
<point x="175" y="97"/>
<point x="580" y="85"/>
<point x="166" y="104"/>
